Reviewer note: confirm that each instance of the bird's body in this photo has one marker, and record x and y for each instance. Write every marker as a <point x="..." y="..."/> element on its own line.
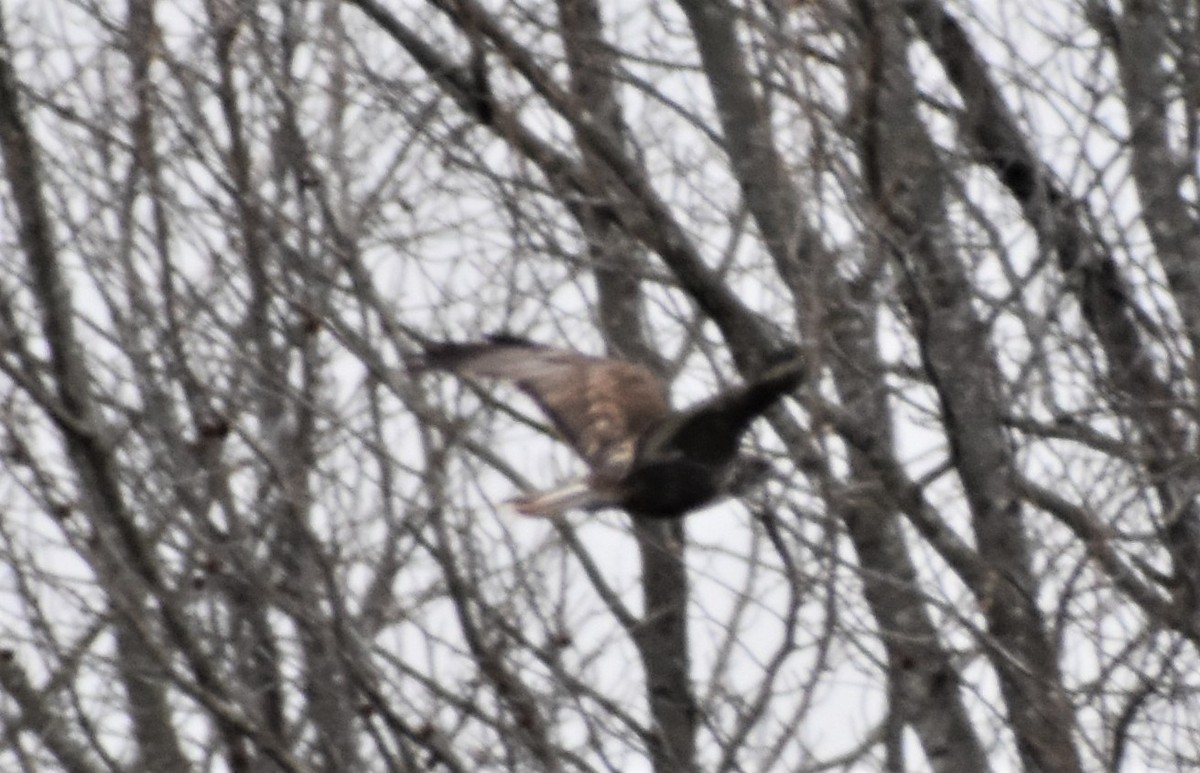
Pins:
<point x="644" y="458"/>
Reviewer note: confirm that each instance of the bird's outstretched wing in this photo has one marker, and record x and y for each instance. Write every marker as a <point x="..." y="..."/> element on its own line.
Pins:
<point x="710" y="432"/>
<point x="600" y="406"/>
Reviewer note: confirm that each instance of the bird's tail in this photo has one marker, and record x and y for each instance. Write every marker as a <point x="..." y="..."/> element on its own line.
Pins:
<point x="547" y="504"/>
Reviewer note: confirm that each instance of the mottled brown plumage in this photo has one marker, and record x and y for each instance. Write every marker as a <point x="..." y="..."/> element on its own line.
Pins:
<point x="643" y="457"/>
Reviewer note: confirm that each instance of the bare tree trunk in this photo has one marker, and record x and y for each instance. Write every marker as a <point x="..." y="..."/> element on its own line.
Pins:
<point x="842" y="327"/>
<point x="906" y="188"/>
<point x="661" y="636"/>
<point x="238" y="533"/>
<point x="121" y="550"/>
<point x="1099" y="286"/>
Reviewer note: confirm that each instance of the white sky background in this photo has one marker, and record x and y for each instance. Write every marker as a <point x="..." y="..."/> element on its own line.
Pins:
<point x="456" y="271"/>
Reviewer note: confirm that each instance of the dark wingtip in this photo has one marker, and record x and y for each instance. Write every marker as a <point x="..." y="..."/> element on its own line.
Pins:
<point x="505" y="338"/>
<point x="449" y="355"/>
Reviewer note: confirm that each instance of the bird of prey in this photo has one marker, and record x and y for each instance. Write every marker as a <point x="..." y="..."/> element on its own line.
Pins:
<point x="643" y="457"/>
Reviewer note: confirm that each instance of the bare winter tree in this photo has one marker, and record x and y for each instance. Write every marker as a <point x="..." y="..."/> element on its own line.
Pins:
<point x="237" y="533"/>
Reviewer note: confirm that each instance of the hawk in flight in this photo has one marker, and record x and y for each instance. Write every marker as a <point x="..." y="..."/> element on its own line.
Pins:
<point x="643" y="457"/>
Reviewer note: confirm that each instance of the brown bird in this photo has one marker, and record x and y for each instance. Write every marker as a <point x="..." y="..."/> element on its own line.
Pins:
<point x="643" y="457"/>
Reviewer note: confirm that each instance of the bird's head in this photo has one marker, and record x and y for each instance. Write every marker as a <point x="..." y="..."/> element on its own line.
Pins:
<point x="748" y="473"/>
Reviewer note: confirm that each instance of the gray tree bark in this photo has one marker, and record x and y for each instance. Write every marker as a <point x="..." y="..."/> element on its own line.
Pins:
<point x="238" y="533"/>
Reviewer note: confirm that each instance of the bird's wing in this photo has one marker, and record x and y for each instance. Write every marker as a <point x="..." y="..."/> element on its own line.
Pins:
<point x="710" y="433"/>
<point x="600" y="406"/>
